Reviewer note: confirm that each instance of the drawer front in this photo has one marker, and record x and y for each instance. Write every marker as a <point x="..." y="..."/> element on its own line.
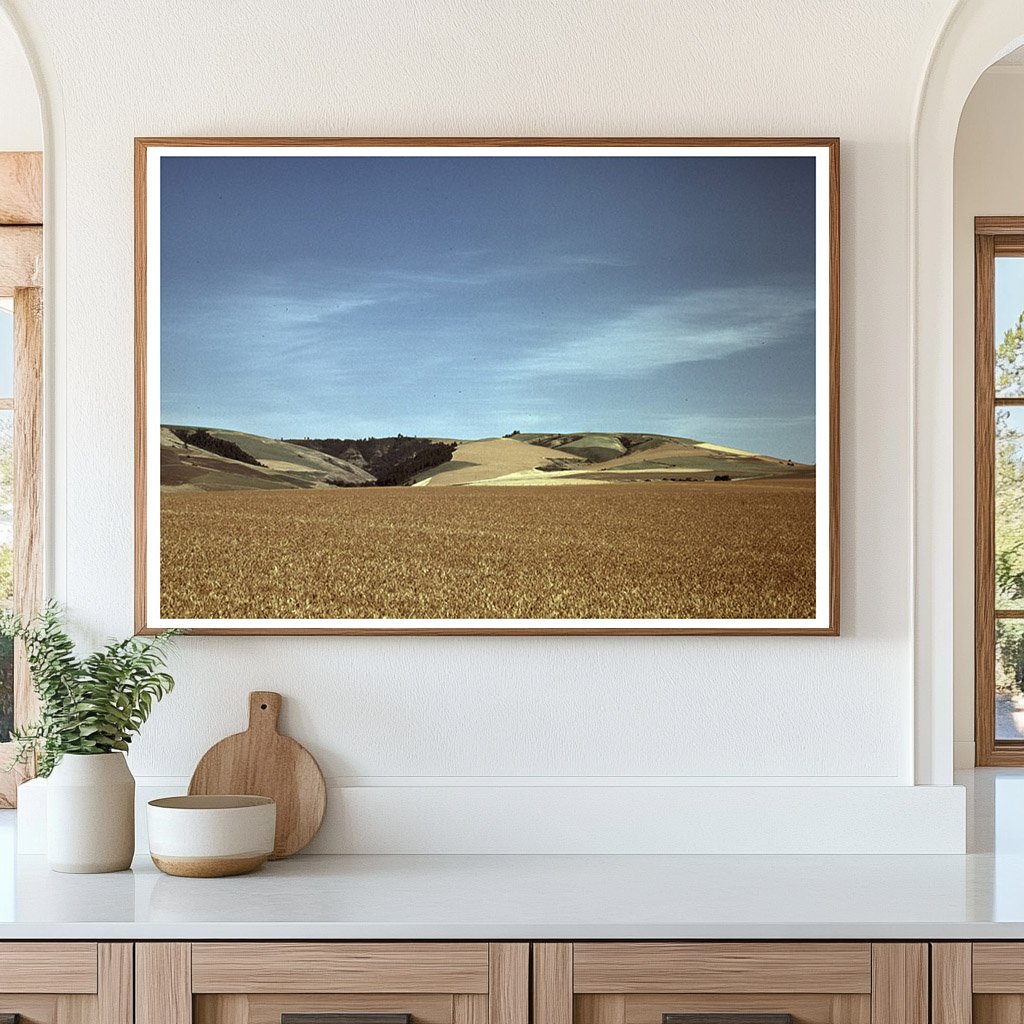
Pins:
<point x="65" y="982"/>
<point x="332" y="983"/>
<point x="65" y="967"/>
<point x="633" y="967"/>
<point x="730" y="983"/>
<point x="339" y="967"/>
<point x="981" y="982"/>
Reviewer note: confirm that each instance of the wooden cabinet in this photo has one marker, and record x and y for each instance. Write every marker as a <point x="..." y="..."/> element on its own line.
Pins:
<point x="978" y="983"/>
<point x="494" y="983"/>
<point x="265" y="982"/>
<point x="66" y="982"/>
<point x="747" y="982"/>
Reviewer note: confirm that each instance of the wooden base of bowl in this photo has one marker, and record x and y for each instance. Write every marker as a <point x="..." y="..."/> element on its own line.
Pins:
<point x="209" y="867"/>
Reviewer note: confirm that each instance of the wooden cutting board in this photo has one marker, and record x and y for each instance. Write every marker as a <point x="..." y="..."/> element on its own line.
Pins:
<point x="262" y="762"/>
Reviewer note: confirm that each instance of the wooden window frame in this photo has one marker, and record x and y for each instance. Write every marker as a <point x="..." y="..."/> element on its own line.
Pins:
<point x="993" y="237"/>
<point x="21" y="279"/>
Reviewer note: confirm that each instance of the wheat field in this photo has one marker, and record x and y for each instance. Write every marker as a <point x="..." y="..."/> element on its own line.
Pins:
<point x="629" y="550"/>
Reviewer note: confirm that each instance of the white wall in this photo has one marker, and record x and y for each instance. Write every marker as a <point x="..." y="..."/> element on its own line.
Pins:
<point x="988" y="182"/>
<point x="443" y="713"/>
<point x="21" y="127"/>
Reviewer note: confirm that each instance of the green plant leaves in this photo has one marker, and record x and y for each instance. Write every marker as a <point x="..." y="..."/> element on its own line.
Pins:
<point x="90" y="705"/>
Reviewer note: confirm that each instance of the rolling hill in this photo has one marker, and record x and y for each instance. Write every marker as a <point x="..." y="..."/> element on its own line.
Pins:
<point x="604" y="458"/>
<point x="232" y="460"/>
<point x="187" y="467"/>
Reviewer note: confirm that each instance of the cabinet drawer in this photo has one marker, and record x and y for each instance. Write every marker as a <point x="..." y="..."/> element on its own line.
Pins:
<point x="60" y="982"/>
<point x="69" y="967"/>
<point x="730" y="983"/>
<point x="340" y="967"/>
<point x="721" y="967"/>
<point x="309" y="982"/>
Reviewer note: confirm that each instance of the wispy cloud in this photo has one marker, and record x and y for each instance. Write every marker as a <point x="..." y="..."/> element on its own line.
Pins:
<point x="703" y="325"/>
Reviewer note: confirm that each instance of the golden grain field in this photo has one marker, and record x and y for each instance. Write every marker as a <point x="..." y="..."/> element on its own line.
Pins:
<point x="631" y="550"/>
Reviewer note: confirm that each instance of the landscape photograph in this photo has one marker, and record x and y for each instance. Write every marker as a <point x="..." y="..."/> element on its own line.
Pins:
<point x="528" y="389"/>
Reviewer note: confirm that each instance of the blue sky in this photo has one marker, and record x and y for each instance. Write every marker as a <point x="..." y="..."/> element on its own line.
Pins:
<point x="473" y="296"/>
<point x="1009" y="293"/>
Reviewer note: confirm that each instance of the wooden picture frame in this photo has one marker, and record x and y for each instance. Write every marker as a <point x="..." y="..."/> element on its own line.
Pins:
<point x="806" y="599"/>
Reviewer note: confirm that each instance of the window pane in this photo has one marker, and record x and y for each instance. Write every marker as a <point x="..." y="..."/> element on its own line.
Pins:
<point x="1009" y="324"/>
<point x="1009" y="679"/>
<point x="6" y="568"/>
<point x="6" y="353"/>
<point x="1009" y="537"/>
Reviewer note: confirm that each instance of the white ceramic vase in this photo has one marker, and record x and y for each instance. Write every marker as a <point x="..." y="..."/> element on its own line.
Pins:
<point x="90" y="814"/>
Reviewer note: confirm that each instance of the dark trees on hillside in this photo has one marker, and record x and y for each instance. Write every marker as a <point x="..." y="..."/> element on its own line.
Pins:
<point x="392" y="461"/>
<point x="202" y="438"/>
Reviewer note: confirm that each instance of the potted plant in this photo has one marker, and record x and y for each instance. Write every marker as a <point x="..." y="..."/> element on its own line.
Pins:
<point x="90" y="708"/>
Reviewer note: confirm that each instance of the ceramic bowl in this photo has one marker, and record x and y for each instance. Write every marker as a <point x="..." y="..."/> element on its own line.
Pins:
<point x="211" y="836"/>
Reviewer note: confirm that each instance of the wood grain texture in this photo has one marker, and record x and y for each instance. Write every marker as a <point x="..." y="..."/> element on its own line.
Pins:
<point x="115" y="1000"/>
<point x="727" y="1018"/>
<point x="831" y="144"/>
<point x="998" y="967"/>
<point x="509" y="983"/>
<point x="635" y="967"/>
<point x="51" y="967"/>
<point x="49" y="1009"/>
<point x="163" y="983"/>
<point x="998" y="1009"/>
<point x="552" y="983"/>
<point x="241" y="1008"/>
<point x="232" y="1008"/>
<point x="21" y="259"/>
<point x="303" y="967"/>
<point x="424" y="1009"/>
<point x="208" y="867"/>
<point x="599" y="1009"/>
<point x="984" y="502"/>
<point x="262" y="762"/>
<point x="833" y="388"/>
<point x="28" y="483"/>
<point x="468" y="1008"/>
<point x="999" y="226"/>
<point x="346" y="1018"/>
<point x="899" y="983"/>
<point x="141" y="264"/>
<point x="951" y="983"/>
<point x="21" y="188"/>
<point x="807" y="1008"/>
<point x="8" y="780"/>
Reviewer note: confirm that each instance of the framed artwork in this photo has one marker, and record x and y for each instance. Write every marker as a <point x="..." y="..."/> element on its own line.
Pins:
<point x="485" y="385"/>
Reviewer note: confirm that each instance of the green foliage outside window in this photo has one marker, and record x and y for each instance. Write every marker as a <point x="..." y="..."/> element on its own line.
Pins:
<point x="1009" y="511"/>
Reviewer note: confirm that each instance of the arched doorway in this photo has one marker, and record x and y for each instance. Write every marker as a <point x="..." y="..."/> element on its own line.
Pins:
<point x="976" y="34"/>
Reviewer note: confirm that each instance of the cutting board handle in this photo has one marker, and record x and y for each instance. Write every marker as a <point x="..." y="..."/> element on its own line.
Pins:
<point x="264" y="710"/>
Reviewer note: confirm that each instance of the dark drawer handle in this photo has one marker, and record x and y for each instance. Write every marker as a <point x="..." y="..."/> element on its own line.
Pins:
<point x="727" y="1018"/>
<point x="340" y="1018"/>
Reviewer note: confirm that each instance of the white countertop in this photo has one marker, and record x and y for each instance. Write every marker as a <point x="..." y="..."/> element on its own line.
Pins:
<point x="978" y="896"/>
<point x="538" y="897"/>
